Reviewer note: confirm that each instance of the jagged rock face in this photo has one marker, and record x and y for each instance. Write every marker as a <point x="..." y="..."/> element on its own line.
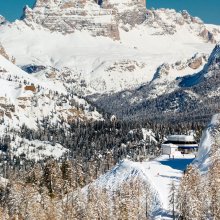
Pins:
<point x="196" y="61"/>
<point x="164" y="70"/>
<point x="207" y="35"/>
<point x="130" y="12"/>
<point x="168" y="21"/>
<point x="2" y="20"/>
<point x="71" y="15"/>
<point x="3" y="52"/>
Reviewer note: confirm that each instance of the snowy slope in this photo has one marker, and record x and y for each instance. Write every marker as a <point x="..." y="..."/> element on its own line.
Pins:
<point x="210" y="136"/>
<point x="189" y="86"/>
<point x="26" y="100"/>
<point x="158" y="173"/>
<point x="15" y="72"/>
<point x="106" y="65"/>
<point x="15" y="82"/>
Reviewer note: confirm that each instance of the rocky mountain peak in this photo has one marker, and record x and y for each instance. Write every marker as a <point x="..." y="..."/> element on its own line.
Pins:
<point x="2" y="20"/>
<point x="99" y="18"/>
<point x="128" y="11"/>
<point x="169" y="21"/>
<point x="61" y="3"/>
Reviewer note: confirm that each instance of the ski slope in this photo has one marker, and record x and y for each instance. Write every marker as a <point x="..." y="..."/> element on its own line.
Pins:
<point x="159" y="173"/>
<point x="162" y="171"/>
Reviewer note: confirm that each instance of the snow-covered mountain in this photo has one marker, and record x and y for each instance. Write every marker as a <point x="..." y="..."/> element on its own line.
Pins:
<point x="71" y="15"/>
<point x="188" y="95"/>
<point x="25" y="100"/>
<point x="168" y="22"/>
<point x="30" y="94"/>
<point x="64" y="57"/>
<point x="102" y="64"/>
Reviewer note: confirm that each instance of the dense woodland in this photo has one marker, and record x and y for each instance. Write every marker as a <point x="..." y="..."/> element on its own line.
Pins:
<point x="94" y="148"/>
<point x="98" y="145"/>
<point x="189" y="102"/>
<point x="198" y="196"/>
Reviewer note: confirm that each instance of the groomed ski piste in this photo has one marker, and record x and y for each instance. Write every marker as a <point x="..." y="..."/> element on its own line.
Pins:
<point x="160" y="172"/>
<point x="163" y="171"/>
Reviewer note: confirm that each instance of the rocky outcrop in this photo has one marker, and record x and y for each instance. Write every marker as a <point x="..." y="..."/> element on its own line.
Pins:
<point x="122" y="66"/>
<point x="196" y="62"/>
<point x="130" y="12"/>
<point x="30" y="88"/>
<point x="86" y="15"/>
<point x="207" y="36"/>
<point x="2" y="20"/>
<point x="162" y="71"/>
<point x="3" y="52"/>
<point x="168" y="22"/>
<point x="68" y="16"/>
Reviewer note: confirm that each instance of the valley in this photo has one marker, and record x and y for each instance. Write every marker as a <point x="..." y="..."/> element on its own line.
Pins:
<point x="89" y="91"/>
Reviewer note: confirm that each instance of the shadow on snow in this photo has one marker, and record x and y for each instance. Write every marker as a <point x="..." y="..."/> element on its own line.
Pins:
<point x="178" y="164"/>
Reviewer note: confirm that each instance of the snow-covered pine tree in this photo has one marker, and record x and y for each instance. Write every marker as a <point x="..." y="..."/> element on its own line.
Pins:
<point x="104" y="204"/>
<point x="190" y="201"/>
<point x="115" y="204"/>
<point x="92" y="208"/>
<point x="214" y="183"/>
<point x="69" y="182"/>
<point x="53" y="178"/>
<point x="77" y="205"/>
<point x="172" y="198"/>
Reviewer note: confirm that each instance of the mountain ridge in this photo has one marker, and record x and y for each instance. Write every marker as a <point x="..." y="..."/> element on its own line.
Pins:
<point x="142" y="48"/>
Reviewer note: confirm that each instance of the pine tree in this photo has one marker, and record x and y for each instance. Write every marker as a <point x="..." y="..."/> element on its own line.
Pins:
<point x="69" y="182"/>
<point x="172" y="198"/>
<point x="92" y="200"/>
<point x="53" y="178"/>
<point x="190" y="197"/>
<point x="214" y="183"/>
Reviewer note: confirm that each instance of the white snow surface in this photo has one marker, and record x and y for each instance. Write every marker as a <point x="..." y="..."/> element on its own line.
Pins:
<point x="104" y="64"/>
<point x="158" y="173"/>
<point x="148" y="133"/>
<point x="33" y="149"/>
<point x="184" y="138"/>
<point x="22" y="106"/>
<point x="209" y="137"/>
<point x="37" y="150"/>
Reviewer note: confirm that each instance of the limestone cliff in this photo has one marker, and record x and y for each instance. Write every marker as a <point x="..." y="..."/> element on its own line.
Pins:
<point x="97" y="17"/>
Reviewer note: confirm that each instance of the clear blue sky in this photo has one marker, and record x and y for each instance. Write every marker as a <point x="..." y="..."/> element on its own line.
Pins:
<point x="208" y="10"/>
